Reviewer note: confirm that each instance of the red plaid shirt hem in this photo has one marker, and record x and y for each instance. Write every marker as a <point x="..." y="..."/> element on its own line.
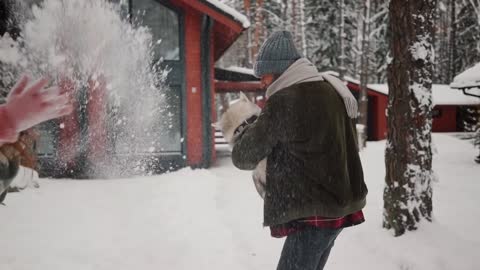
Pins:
<point x="286" y="229"/>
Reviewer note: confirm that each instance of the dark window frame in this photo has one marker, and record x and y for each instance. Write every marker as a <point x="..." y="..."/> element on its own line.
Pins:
<point x="177" y="77"/>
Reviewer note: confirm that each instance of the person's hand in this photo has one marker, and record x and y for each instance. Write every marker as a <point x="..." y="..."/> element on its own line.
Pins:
<point x="28" y="106"/>
<point x="238" y="133"/>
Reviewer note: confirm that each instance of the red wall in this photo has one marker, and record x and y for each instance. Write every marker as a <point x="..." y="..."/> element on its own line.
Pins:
<point x="96" y="113"/>
<point x="377" y="106"/>
<point x="381" y="118"/>
<point x="193" y="70"/>
<point x="212" y="97"/>
<point x="447" y="121"/>
<point x="69" y="135"/>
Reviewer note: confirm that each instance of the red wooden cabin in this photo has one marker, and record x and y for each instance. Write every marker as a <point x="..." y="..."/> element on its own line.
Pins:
<point x="195" y="34"/>
<point x="448" y="104"/>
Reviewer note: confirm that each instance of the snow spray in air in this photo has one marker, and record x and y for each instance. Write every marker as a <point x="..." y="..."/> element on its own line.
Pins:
<point x="88" y="48"/>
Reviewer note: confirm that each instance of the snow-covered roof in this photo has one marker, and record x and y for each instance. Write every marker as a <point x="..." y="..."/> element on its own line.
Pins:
<point x="442" y="95"/>
<point x="242" y="70"/>
<point x="468" y="78"/>
<point x="231" y="11"/>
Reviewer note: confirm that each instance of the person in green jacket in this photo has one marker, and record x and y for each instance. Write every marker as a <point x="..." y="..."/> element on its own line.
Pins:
<point x="306" y="131"/>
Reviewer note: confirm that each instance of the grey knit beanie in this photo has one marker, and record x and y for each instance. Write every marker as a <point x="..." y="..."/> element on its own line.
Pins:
<point x="277" y="53"/>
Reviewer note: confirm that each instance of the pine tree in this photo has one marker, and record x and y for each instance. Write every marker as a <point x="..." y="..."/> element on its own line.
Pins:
<point x="9" y="26"/>
<point x="379" y="50"/>
<point x="341" y="68"/>
<point x="452" y="44"/>
<point x="323" y="33"/>
<point x="408" y="159"/>
<point x="266" y="17"/>
<point x="469" y="118"/>
<point x="468" y="36"/>
<point x="441" y="41"/>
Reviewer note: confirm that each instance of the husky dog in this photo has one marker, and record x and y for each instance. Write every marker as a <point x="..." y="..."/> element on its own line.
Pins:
<point x="239" y="115"/>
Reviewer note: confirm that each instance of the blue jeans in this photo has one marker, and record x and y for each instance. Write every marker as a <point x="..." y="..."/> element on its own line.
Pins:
<point x="307" y="249"/>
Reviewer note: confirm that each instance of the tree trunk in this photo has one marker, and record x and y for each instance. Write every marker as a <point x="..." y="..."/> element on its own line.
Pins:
<point x="341" y="36"/>
<point x="408" y="156"/>
<point x="358" y="43"/>
<point x="302" y="28"/>
<point x="258" y="28"/>
<point x="8" y="25"/>
<point x="9" y="18"/>
<point x="452" y="52"/>
<point x="248" y="9"/>
<point x="363" y="99"/>
<point x="285" y="13"/>
<point x="293" y="20"/>
<point x="476" y="8"/>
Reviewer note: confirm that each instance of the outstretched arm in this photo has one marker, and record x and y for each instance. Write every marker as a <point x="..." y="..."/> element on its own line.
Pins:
<point x="28" y="106"/>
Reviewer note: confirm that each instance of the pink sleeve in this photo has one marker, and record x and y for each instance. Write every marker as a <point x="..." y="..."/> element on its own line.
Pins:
<point x="8" y="133"/>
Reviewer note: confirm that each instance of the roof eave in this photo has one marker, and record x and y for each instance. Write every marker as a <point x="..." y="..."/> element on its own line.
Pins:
<point x="222" y="18"/>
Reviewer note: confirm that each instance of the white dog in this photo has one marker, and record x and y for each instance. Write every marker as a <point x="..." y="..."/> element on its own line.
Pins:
<point x="240" y="114"/>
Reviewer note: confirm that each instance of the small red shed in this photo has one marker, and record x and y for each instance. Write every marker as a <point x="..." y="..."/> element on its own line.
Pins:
<point x="194" y="34"/>
<point x="447" y="104"/>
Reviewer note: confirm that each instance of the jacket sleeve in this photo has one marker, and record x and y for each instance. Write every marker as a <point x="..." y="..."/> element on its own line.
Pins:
<point x="8" y="132"/>
<point x="258" y="139"/>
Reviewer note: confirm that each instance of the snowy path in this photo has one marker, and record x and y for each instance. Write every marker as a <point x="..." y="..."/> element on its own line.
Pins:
<point x="211" y="219"/>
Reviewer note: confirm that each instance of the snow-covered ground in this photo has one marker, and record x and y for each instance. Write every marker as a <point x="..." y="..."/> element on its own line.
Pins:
<point x="211" y="219"/>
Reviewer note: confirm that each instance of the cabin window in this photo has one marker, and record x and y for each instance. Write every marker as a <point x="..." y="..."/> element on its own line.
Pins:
<point x="47" y="139"/>
<point x="164" y="25"/>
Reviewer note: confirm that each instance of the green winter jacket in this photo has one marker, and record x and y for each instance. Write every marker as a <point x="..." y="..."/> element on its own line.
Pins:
<point x="313" y="165"/>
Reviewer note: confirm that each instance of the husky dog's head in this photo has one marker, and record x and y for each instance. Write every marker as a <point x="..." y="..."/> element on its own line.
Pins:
<point x="241" y="110"/>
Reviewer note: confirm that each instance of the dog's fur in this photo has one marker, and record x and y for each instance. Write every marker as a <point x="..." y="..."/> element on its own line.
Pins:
<point x="235" y="116"/>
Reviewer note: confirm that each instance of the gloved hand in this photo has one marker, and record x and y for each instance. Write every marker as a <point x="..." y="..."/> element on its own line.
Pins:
<point x="29" y="106"/>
